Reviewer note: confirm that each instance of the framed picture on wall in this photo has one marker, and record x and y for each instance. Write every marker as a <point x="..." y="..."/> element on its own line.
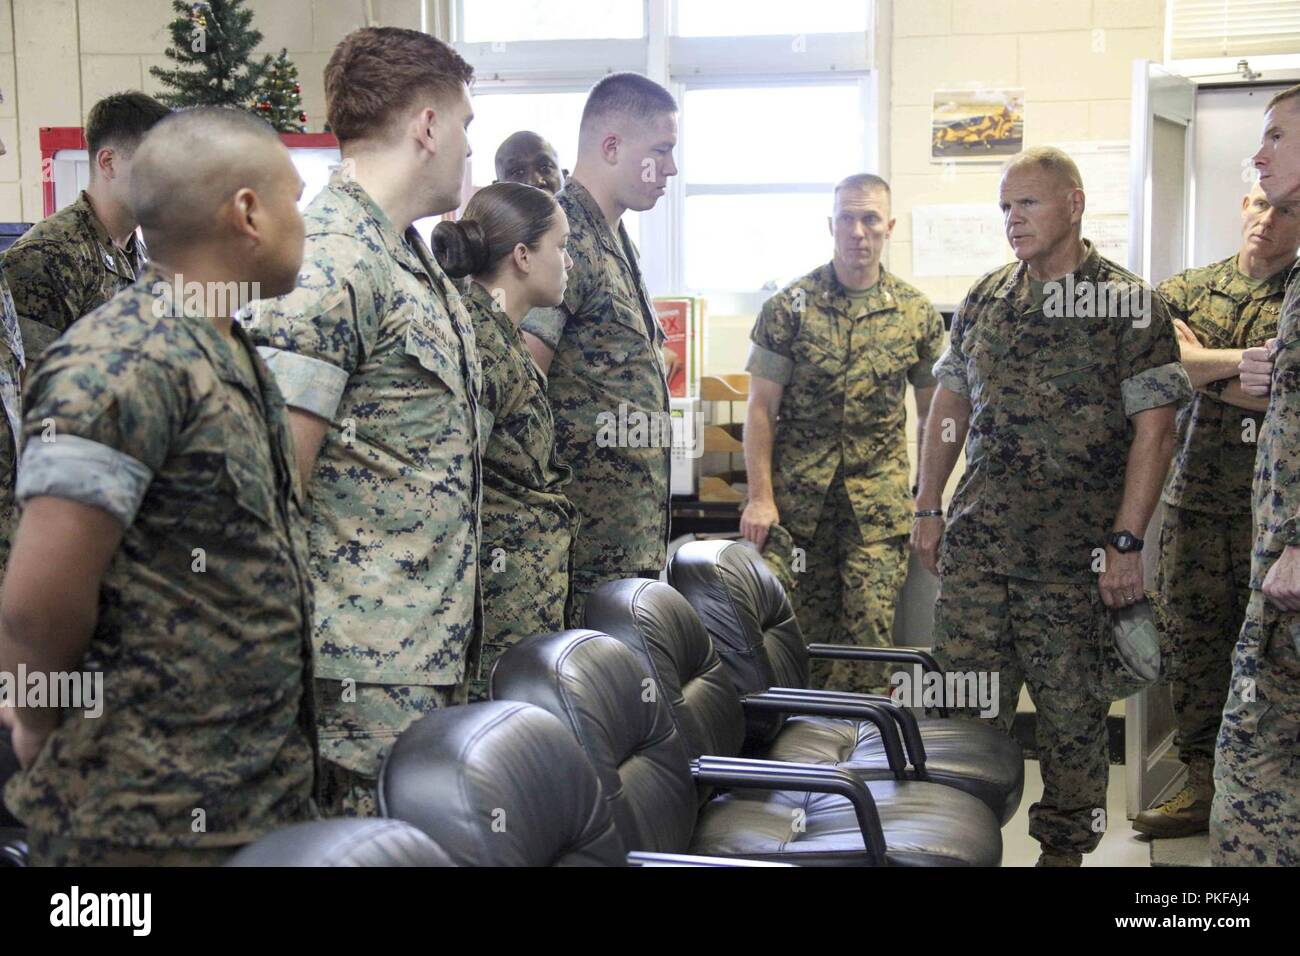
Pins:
<point x="974" y="126"/>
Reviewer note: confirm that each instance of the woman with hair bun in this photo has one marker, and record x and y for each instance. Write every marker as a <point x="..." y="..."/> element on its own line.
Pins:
<point x="511" y="243"/>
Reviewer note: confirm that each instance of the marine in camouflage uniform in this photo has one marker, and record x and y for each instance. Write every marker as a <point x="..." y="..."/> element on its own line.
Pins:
<point x="206" y="740"/>
<point x="606" y="384"/>
<point x="64" y="267"/>
<point x="12" y="362"/>
<point x="528" y="523"/>
<point x="1046" y="459"/>
<point x="1205" y="538"/>
<point x="844" y="360"/>
<point x="375" y="340"/>
<point x="1255" y="819"/>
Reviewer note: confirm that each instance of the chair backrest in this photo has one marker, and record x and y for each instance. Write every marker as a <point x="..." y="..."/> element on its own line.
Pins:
<point x="747" y="615"/>
<point x="610" y="702"/>
<point x="361" y="841"/>
<point x="663" y="630"/>
<point x="500" y="783"/>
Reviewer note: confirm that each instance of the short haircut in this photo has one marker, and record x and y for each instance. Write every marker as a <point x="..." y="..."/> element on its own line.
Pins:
<point x="377" y="73"/>
<point x="867" y="182"/>
<point x="121" y="120"/>
<point x="191" y="163"/>
<point x="1048" y="158"/>
<point x="626" y="94"/>
<point x="1290" y="93"/>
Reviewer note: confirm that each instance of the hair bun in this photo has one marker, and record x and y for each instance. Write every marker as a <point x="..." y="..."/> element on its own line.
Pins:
<point x="461" y="248"/>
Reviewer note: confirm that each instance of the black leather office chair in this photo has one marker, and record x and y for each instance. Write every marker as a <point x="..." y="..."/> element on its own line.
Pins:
<point x="503" y="783"/>
<point x="361" y="841"/>
<point x="748" y="616"/>
<point x="500" y="783"/>
<point x="653" y="620"/>
<point x="798" y="813"/>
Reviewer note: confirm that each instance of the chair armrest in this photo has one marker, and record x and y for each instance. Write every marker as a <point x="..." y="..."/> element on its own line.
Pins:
<point x="850" y="652"/>
<point x="13" y="847"/>
<point x="905" y="719"/>
<point x="807" y="704"/>
<point x="646" y="858"/>
<point x="803" y="777"/>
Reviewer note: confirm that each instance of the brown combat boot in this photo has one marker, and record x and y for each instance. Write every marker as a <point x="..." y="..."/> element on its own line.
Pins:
<point x="1059" y="858"/>
<point x="1187" y="812"/>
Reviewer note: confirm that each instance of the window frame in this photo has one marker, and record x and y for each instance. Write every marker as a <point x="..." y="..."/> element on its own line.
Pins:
<point x="683" y="64"/>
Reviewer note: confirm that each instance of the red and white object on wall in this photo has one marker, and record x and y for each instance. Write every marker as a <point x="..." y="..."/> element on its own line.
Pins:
<point x="682" y="319"/>
<point x="65" y="163"/>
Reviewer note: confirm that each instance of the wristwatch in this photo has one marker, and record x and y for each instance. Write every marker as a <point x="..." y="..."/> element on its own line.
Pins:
<point x="1125" y="542"/>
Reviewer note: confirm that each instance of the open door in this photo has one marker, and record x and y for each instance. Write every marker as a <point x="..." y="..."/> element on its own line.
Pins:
<point x="1160" y="190"/>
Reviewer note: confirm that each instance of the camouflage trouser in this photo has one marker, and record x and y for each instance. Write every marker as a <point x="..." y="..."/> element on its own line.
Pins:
<point x="1256" y="816"/>
<point x="1029" y="632"/>
<point x="48" y="850"/>
<point x="1204" y="577"/>
<point x="526" y="595"/>
<point x="357" y="725"/>
<point x="844" y="594"/>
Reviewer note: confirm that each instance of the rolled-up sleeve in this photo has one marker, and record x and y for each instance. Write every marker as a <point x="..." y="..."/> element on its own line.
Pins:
<point x="307" y="383"/>
<point x="773" y="366"/>
<point x="1151" y="374"/>
<point x="98" y="425"/>
<point x="771" y="350"/>
<point x="921" y="374"/>
<point x="547" y="325"/>
<point x="1165" y="385"/>
<point x="315" y="337"/>
<point x="950" y="370"/>
<point x="84" y="471"/>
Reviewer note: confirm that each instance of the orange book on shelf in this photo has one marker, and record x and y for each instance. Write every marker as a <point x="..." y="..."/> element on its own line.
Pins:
<point x="676" y="318"/>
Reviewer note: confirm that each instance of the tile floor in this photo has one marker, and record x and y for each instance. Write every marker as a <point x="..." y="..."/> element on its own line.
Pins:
<point x="1120" y="846"/>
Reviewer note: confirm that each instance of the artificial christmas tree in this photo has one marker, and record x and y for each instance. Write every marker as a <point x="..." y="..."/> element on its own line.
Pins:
<point x="211" y="43"/>
<point x="280" y="103"/>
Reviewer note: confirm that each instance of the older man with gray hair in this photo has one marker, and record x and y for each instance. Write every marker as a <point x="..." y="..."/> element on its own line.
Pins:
<point x="1062" y="377"/>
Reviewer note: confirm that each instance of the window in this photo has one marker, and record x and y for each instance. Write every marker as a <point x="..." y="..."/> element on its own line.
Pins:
<point x="1232" y="28"/>
<point x="497" y="115"/>
<point x="777" y="105"/>
<point x="509" y="21"/>
<point x="759" y="166"/>
<point x="748" y="243"/>
<point x="722" y="18"/>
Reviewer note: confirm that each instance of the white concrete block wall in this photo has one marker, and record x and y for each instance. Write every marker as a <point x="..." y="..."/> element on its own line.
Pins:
<point x="1072" y="58"/>
<point x="71" y="53"/>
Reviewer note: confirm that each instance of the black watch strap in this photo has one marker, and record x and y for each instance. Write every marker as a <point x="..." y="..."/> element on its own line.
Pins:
<point x="1125" y="542"/>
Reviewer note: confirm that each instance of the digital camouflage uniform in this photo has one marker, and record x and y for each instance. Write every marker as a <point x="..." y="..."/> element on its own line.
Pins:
<point x="528" y="523"/>
<point x="839" y="459"/>
<point x="1046" y="457"/>
<point x="1255" y="820"/>
<point x="608" y="371"/>
<point x="375" y="341"/>
<point x="12" y="361"/>
<point x="64" y="267"/>
<point x="207" y="737"/>
<point x="1205" y="540"/>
